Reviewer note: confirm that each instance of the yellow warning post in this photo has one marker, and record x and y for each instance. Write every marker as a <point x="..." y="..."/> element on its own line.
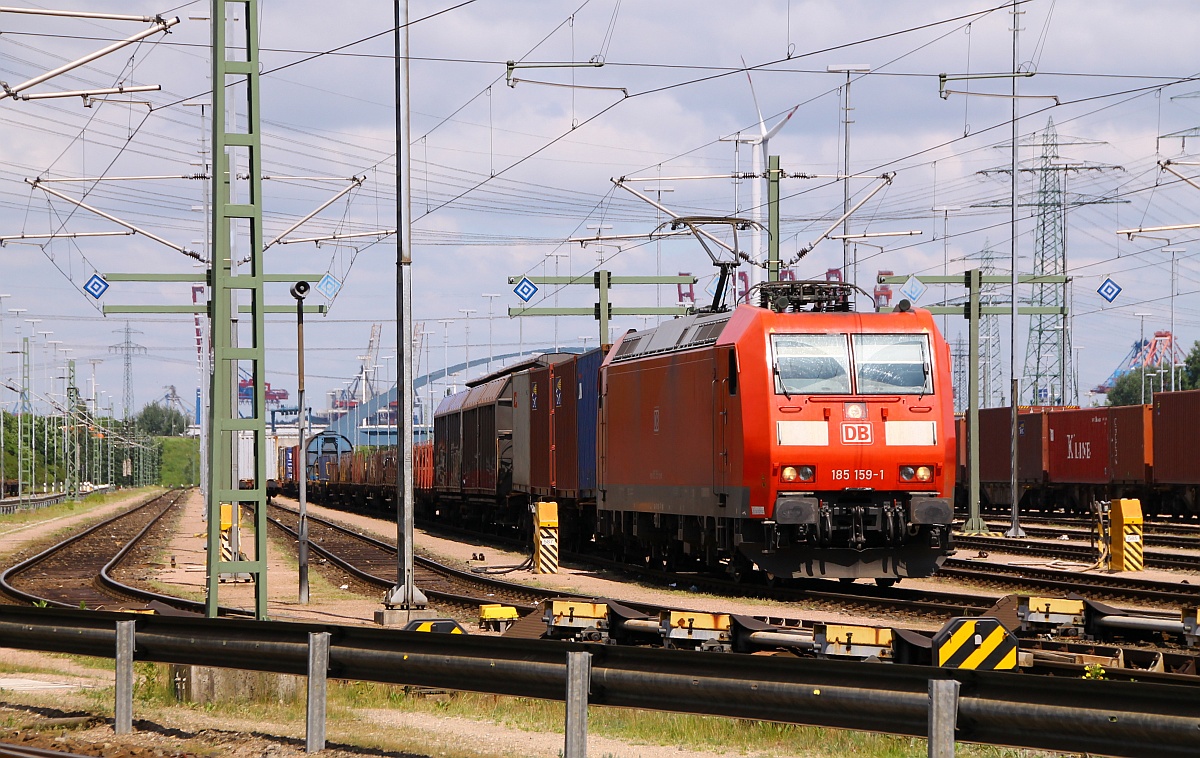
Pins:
<point x="1127" y="548"/>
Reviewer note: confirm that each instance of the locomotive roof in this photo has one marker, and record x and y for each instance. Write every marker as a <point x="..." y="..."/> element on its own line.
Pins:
<point x="682" y="333"/>
<point x="702" y="329"/>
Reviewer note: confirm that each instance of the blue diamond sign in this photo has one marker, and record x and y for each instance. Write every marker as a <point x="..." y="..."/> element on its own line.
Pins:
<point x="1109" y="290"/>
<point x="96" y="286"/>
<point x="913" y="289"/>
<point x="525" y="289"/>
<point x="328" y="286"/>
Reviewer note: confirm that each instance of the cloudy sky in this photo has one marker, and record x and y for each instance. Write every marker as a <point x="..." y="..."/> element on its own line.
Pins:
<point x="503" y="176"/>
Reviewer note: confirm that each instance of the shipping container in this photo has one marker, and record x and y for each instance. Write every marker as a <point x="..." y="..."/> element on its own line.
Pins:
<point x="1176" y="460"/>
<point x="522" y="479"/>
<point x="995" y="445"/>
<point x="1077" y="446"/>
<point x="541" y="448"/>
<point x="587" y="395"/>
<point x="1131" y="453"/>
<point x="565" y="438"/>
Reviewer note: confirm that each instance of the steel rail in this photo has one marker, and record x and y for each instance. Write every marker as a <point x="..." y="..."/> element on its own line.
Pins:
<point x="927" y="602"/>
<point x="1088" y="585"/>
<point x="1153" y="559"/>
<point x="1019" y="710"/>
<point x="104" y="578"/>
<point x="508" y="588"/>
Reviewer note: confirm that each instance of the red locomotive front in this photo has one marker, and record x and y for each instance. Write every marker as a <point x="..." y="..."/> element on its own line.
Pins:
<point x="806" y="443"/>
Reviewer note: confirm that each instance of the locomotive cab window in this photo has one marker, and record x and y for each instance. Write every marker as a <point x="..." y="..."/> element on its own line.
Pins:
<point x="811" y="364"/>
<point x="892" y="364"/>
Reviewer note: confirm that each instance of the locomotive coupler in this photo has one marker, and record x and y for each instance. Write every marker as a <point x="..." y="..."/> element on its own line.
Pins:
<point x="857" y="538"/>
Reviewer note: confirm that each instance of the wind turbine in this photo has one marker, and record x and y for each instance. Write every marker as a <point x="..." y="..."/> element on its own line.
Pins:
<point x="758" y="166"/>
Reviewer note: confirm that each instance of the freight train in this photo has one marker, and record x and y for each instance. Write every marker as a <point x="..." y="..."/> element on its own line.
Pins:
<point x="796" y="438"/>
<point x="1068" y="458"/>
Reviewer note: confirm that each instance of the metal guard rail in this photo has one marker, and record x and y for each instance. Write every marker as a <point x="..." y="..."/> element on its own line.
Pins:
<point x="1108" y="717"/>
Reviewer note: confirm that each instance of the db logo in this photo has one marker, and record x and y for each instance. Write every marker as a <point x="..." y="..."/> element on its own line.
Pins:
<point x="856" y="434"/>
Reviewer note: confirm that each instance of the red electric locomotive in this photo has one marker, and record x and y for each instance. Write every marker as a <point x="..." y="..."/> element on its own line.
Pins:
<point x="801" y="438"/>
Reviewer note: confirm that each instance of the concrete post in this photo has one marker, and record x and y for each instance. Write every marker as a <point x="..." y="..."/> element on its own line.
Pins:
<point x="579" y="678"/>
<point x="123" y="708"/>
<point x="318" y="667"/>
<point x="943" y="714"/>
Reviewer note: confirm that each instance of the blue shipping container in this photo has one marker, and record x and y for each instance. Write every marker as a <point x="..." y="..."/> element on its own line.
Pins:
<point x="587" y="394"/>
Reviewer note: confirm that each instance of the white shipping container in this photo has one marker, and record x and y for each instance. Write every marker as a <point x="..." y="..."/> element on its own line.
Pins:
<point x="245" y="453"/>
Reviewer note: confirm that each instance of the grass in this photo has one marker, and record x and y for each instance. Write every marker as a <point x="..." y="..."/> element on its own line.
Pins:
<point x="350" y="720"/>
<point x="57" y="510"/>
<point x="349" y="700"/>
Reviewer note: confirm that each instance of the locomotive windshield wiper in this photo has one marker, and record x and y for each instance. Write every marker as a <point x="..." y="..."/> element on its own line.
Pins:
<point x="924" y="370"/>
<point x="782" y="384"/>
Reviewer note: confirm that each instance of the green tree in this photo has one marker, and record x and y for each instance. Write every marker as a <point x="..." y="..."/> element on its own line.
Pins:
<point x="1191" y="368"/>
<point x="1127" y="390"/>
<point x="158" y="420"/>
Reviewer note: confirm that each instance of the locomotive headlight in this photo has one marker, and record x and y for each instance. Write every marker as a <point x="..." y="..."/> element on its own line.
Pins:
<point x="797" y="474"/>
<point x="854" y="411"/>
<point x="917" y="473"/>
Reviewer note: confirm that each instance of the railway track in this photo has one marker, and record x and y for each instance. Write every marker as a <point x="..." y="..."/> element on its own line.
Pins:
<point x="1072" y="551"/>
<point x="1106" y="588"/>
<point x="374" y="561"/>
<point x="78" y="572"/>
<point x="1156" y="535"/>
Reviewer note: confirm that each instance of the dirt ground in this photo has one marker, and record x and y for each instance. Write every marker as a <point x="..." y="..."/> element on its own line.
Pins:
<point x="335" y="598"/>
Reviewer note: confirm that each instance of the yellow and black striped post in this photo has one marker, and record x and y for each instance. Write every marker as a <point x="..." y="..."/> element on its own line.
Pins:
<point x="1127" y="545"/>
<point x="1103" y="527"/>
<point x="975" y="643"/>
<point x="545" y="544"/>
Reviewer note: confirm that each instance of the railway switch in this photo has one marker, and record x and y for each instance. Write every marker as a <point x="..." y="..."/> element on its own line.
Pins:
<point x="1191" y="626"/>
<point x="578" y="619"/>
<point x="857" y="642"/>
<point x="497" y="617"/>
<point x="1051" y="615"/>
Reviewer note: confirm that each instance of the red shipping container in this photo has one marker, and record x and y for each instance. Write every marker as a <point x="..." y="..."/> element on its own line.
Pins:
<point x="1033" y="446"/>
<point x="1176" y="419"/>
<point x="1077" y="446"/>
<point x="1131" y="455"/>
<point x="995" y="445"/>
<point x="566" y="442"/>
<point x="541" y="450"/>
